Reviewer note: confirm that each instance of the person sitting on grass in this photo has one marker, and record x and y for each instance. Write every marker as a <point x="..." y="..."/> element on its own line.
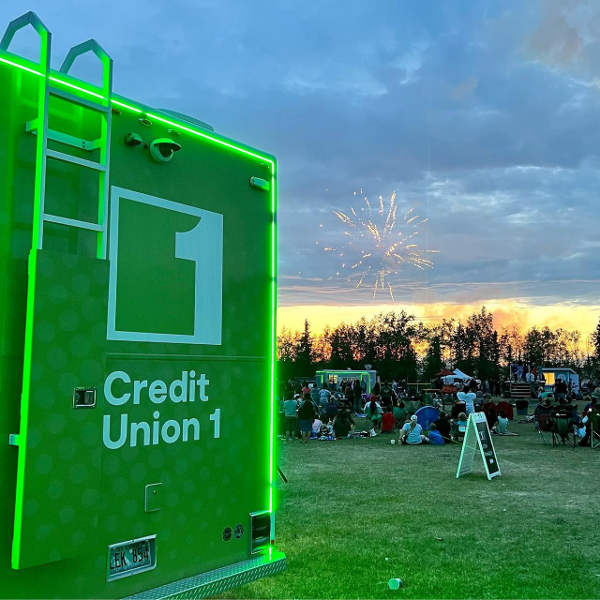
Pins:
<point x="443" y="425"/>
<point x="435" y="437"/>
<point x="490" y="415"/>
<point x="458" y="408"/>
<point x="501" y="425"/>
<point x="331" y="408"/>
<point x="388" y="421"/>
<point x="412" y="433"/>
<point x="461" y="425"/>
<point x="593" y="403"/>
<point x="343" y="424"/>
<point x="325" y="431"/>
<point x="316" y="426"/>
<point x="373" y="412"/>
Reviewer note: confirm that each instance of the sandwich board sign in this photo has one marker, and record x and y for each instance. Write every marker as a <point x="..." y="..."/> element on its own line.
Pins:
<point x="478" y="437"/>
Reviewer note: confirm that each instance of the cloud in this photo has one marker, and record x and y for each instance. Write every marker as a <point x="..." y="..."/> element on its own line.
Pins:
<point x="566" y="37"/>
<point x="485" y="116"/>
<point x="464" y="89"/>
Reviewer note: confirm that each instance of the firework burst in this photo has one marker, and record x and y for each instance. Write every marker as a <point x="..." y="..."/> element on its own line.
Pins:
<point x="381" y="243"/>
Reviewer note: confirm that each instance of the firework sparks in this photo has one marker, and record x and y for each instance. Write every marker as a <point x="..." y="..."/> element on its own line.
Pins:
<point x="382" y="242"/>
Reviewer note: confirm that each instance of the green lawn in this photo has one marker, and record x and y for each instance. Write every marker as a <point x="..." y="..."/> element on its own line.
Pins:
<point x="357" y="512"/>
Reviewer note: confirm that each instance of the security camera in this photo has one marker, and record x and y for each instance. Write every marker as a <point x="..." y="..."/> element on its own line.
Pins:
<point x="163" y="149"/>
<point x="133" y="139"/>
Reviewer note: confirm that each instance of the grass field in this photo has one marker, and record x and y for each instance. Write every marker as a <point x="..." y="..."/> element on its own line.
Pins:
<point x="357" y="512"/>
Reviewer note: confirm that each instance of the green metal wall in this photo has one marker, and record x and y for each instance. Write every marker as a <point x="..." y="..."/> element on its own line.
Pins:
<point x="77" y="496"/>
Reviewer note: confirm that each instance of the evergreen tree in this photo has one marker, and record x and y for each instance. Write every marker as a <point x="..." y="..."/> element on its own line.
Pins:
<point x="433" y="359"/>
<point x="304" y="352"/>
<point x="596" y="341"/>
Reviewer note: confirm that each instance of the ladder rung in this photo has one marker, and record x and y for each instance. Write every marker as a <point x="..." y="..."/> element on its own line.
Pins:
<point x="73" y="223"/>
<point x="77" y="100"/>
<point x="64" y="138"/>
<point x="90" y="164"/>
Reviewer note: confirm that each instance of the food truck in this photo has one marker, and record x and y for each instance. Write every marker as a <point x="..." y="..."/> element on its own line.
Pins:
<point x="334" y="379"/>
<point x="553" y="374"/>
<point x="137" y="297"/>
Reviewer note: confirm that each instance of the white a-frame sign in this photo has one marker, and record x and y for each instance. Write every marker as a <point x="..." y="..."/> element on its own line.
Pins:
<point x="478" y="436"/>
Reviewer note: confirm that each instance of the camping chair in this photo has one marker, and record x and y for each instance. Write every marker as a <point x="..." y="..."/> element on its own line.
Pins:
<point x="448" y="401"/>
<point x="543" y="424"/>
<point x="507" y="408"/>
<point x="562" y="431"/>
<point x="411" y="406"/>
<point x="459" y="431"/>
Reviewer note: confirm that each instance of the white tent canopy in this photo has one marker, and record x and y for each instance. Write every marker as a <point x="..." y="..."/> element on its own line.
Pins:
<point x="457" y="374"/>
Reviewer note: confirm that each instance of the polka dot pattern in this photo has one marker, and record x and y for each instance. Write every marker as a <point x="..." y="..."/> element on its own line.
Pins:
<point x="79" y="496"/>
<point x="62" y="453"/>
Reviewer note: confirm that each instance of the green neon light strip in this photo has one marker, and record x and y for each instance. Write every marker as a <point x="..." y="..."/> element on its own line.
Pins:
<point x="76" y="87"/>
<point x="40" y="148"/>
<point x="131" y="108"/>
<point x="14" y="64"/>
<point x="273" y="331"/>
<point x="342" y="371"/>
<point x="212" y="139"/>
<point x="178" y="125"/>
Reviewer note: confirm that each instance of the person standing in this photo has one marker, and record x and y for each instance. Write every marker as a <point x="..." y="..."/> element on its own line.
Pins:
<point x="306" y="413"/>
<point x="324" y="396"/>
<point x="560" y="389"/>
<point x="387" y="394"/>
<point x="357" y="390"/>
<point x="349" y="394"/>
<point x="468" y="397"/>
<point x="290" y="408"/>
<point x="315" y="395"/>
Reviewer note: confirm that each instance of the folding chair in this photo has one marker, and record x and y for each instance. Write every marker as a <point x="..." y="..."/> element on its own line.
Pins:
<point x="543" y="424"/>
<point x="562" y="431"/>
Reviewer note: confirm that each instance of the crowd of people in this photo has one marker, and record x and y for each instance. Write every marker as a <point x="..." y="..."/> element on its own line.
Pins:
<point x="330" y="411"/>
<point x="323" y="413"/>
<point x="560" y="405"/>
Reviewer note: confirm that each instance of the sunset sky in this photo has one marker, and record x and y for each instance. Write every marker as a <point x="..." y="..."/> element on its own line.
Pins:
<point x="483" y="116"/>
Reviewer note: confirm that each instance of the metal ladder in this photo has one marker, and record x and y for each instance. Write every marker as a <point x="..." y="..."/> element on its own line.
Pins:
<point x="98" y="102"/>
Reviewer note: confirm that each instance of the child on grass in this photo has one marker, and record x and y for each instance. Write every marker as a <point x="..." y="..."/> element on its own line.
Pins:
<point x="435" y="437"/>
<point x="461" y="425"/>
<point x="388" y="422"/>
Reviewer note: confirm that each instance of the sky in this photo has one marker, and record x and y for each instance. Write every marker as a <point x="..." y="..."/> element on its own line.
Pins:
<point x="482" y="116"/>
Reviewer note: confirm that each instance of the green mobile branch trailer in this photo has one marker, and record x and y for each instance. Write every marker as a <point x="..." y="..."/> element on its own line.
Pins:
<point x="137" y="303"/>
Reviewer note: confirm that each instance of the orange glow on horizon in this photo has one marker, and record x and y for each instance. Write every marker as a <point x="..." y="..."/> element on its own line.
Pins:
<point x="506" y="314"/>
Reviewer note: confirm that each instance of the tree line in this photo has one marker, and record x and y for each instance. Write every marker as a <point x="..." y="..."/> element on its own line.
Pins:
<point x="399" y="346"/>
